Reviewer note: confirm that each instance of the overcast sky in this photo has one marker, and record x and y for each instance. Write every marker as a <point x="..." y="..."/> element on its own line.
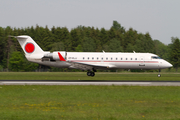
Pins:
<point x="161" y="18"/>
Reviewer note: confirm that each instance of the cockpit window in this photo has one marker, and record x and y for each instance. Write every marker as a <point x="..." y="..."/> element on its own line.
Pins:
<point x="155" y="57"/>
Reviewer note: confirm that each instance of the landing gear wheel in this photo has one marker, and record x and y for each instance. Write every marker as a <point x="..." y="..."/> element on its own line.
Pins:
<point x="159" y="75"/>
<point x="90" y="74"/>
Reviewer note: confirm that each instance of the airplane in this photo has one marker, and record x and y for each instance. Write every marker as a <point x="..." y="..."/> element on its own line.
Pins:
<point x="90" y="61"/>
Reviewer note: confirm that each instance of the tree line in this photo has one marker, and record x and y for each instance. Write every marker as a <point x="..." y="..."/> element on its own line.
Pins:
<point x="81" y="39"/>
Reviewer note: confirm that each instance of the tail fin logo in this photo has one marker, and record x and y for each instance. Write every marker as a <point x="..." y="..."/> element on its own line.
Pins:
<point x="29" y="47"/>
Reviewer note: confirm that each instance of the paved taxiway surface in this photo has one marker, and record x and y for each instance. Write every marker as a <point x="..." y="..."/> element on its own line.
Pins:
<point x="89" y="82"/>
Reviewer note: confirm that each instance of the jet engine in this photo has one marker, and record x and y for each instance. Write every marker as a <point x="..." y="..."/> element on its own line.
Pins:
<point x="55" y="56"/>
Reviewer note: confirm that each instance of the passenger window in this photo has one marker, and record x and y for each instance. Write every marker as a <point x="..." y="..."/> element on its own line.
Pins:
<point x="88" y="58"/>
<point x="126" y="59"/>
<point x="116" y="59"/>
<point x="106" y="58"/>
<point x="83" y="58"/>
<point x="136" y="59"/>
<point x="102" y="58"/>
<point x="131" y="59"/>
<point x="97" y="58"/>
<point x="121" y="58"/>
<point x="92" y="58"/>
<point x="111" y="58"/>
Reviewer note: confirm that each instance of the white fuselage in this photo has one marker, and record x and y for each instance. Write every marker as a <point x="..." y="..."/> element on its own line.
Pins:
<point x="118" y="60"/>
<point x="108" y="60"/>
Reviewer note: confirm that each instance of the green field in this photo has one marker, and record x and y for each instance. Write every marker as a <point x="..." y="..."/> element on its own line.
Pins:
<point x="89" y="102"/>
<point x="82" y="76"/>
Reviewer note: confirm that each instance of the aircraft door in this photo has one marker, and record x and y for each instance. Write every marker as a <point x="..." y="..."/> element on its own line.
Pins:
<point x="141" y="61"/>
<point x="102" y="59"/>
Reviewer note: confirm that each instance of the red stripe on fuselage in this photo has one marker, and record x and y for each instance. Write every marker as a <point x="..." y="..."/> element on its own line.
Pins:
<point x="116" y="61"/>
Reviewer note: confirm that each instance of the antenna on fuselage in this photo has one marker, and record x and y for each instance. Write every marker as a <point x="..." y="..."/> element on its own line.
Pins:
<point x="134" y="52"/>
<point x="103" y="51"/>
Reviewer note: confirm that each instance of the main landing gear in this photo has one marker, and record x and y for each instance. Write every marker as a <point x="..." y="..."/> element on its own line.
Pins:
<point x="92" y="74"/>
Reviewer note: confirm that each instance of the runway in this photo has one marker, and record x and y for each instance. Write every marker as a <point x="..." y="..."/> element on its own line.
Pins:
<point x="89" y="82"/>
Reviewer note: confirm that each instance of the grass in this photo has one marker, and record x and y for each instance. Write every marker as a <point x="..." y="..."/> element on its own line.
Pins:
<point x="89" y="102"/>
<point x="82" y="76"/>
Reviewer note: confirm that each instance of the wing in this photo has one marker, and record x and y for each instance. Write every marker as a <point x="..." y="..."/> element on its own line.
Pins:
<point x="85" y="66"/>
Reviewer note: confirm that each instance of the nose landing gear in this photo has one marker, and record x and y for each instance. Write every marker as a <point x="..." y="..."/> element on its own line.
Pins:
<point x="159" y="75"/>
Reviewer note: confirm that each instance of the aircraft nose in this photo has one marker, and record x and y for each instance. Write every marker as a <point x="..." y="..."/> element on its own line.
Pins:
<point x="165" y="64"/>
<point x="168" y="65"/>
